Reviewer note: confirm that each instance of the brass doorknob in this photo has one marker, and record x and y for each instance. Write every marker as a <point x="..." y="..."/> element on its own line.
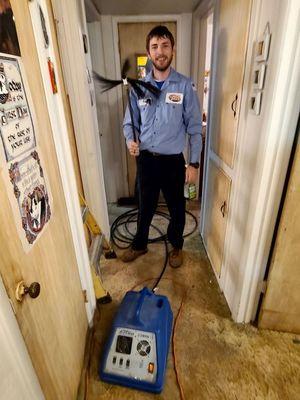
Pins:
<point x="33" y="290"/>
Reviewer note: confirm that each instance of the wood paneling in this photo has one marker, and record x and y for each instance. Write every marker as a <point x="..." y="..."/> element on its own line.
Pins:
<point x="53" y="325"/>
<point x="232" y="33"/>
<point x="217" y="212"/>
<point x="281" y="306"/>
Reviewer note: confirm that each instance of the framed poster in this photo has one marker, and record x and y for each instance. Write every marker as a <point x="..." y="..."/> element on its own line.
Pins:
<point x="16" y="126"/>
<point x="141" y="62"/>
<point x="20" y="157"/>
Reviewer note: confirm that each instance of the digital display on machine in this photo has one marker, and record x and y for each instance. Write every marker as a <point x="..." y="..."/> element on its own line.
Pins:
<point x="124" y="344"/>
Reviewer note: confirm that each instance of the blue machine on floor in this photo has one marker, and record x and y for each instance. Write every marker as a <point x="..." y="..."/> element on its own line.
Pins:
<point x="137" y="350"/>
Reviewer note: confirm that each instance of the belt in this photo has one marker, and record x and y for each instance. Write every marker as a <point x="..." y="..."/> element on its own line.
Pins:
<point x="152" y="153"/>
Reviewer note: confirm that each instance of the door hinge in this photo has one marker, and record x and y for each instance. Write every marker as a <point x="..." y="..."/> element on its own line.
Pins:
<point x="263" y="287"/>
<point x="85" y="296"/>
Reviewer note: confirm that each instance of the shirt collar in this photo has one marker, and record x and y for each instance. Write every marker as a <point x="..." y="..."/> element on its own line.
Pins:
<point x="173" y="77"/>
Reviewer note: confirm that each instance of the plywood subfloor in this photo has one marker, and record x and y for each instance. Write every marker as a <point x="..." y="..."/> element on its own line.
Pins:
<point x="217" y="358"/>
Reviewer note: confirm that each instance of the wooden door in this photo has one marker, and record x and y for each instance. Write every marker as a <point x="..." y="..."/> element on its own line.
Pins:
<point x="54" y="324"/>
<point x="218" y="192"/>
<point x="132" y="42"/>
<point x="230" y="38"/>
<point x="232" y="31"/>
<point x="281" y="304"/>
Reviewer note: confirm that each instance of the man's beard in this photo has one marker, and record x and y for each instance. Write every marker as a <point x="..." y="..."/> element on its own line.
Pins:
<point x="162" y="68"/>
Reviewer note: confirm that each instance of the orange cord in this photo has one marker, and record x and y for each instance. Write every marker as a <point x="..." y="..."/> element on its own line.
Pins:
<point x="173" y="348"/>
<point x="174" y="330"/>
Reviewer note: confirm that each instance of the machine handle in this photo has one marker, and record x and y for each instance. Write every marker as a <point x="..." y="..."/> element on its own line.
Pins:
<point x="144" y="292"/>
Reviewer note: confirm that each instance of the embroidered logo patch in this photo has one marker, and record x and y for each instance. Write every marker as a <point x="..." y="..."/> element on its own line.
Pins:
<point x="174" y="98"/>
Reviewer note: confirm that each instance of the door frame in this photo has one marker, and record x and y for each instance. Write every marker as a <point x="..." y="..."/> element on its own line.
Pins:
<point x="64" y="156"/>
<point x="243" y="298"/>
<point x="183" y="56"/>
<point x="198" y="72"/>
<point x="76" y="78"/>
<point x="280" y="132"/>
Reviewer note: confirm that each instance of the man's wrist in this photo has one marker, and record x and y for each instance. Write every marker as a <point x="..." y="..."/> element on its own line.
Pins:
<point x="195" y="164"/>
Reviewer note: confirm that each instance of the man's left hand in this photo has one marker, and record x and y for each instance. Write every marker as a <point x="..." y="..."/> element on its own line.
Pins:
<point x="191" y="174"/>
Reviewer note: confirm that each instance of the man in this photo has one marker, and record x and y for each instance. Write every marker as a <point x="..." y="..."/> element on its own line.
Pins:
<point x="162" y="125"/>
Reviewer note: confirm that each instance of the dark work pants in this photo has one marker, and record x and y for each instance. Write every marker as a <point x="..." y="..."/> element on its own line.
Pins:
<point x="155" y="173"/>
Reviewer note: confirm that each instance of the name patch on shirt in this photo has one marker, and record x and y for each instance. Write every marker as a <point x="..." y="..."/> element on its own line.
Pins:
<point x="174" y="98"/>
<point x="145" y="102"/>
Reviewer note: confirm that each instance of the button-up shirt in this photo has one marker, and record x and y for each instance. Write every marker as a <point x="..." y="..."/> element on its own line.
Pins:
<point x="162" y="123"/>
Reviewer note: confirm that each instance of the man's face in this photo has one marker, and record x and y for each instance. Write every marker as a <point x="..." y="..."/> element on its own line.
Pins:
<point x="160" y="52"/>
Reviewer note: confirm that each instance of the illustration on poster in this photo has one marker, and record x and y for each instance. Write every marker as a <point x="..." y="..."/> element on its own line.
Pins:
<point x="36" y="210"/>
<point x="27" y="178"/>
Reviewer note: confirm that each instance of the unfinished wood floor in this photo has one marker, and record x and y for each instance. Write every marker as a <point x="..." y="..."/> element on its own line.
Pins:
<point x="216" y="358"/>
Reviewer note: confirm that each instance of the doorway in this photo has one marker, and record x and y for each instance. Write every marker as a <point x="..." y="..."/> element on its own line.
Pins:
<point x="132" y="45"/>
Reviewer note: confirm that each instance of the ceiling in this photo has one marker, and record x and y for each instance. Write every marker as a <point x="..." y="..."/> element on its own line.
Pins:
<point x="138" y="7"/>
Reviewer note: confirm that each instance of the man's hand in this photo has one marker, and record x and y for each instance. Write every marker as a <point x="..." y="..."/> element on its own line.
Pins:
<point x="191" y="174"/>
<point x="133" y="148"/>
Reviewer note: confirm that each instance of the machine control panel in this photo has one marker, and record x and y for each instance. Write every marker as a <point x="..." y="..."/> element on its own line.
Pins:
<point x="133" y="355"/>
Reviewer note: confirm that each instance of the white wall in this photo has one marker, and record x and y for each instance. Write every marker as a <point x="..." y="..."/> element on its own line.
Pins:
<point x="105" y="61"/>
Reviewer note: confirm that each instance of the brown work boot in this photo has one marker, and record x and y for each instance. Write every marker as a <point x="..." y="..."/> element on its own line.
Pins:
<point x="175" y="258"/>
<point x="131" y="254"/>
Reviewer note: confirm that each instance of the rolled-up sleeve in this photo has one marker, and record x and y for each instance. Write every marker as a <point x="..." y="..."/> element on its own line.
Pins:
<point x="127" y="123"/>
<point x="193" y="121"/>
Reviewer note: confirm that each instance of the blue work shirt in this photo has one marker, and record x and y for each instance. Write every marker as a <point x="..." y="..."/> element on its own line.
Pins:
<point x="162" y="123"/>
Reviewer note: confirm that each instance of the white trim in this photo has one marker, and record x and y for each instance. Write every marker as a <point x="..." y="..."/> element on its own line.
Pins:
<point x="281" y="127"/>
<point x="62" y="146"/>
<point x="69" y="34"/>
<point x="19" y="380"/>
<point x="201" y="12"/>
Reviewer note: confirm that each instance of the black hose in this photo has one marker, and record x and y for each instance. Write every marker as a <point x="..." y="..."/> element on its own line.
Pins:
<point x="129" y="217"/>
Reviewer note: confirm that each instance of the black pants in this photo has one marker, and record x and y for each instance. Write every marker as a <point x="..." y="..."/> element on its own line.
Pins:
<point x="155" y="173"/>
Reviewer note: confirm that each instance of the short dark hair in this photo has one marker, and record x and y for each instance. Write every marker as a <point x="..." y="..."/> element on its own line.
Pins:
<point x="159" y="31"/>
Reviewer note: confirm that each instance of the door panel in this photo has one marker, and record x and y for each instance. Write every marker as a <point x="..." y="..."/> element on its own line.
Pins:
<point x="231" y="25"/>
<point x="54" y="324"/>
<point x="214" y="236"/>
<point x="132" y="41"/>
<point x="281" y="305"/>
<point x="231" y="35"/>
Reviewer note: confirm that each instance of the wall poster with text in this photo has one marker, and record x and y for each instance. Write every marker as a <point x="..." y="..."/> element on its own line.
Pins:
<point x="20" y="157"/>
